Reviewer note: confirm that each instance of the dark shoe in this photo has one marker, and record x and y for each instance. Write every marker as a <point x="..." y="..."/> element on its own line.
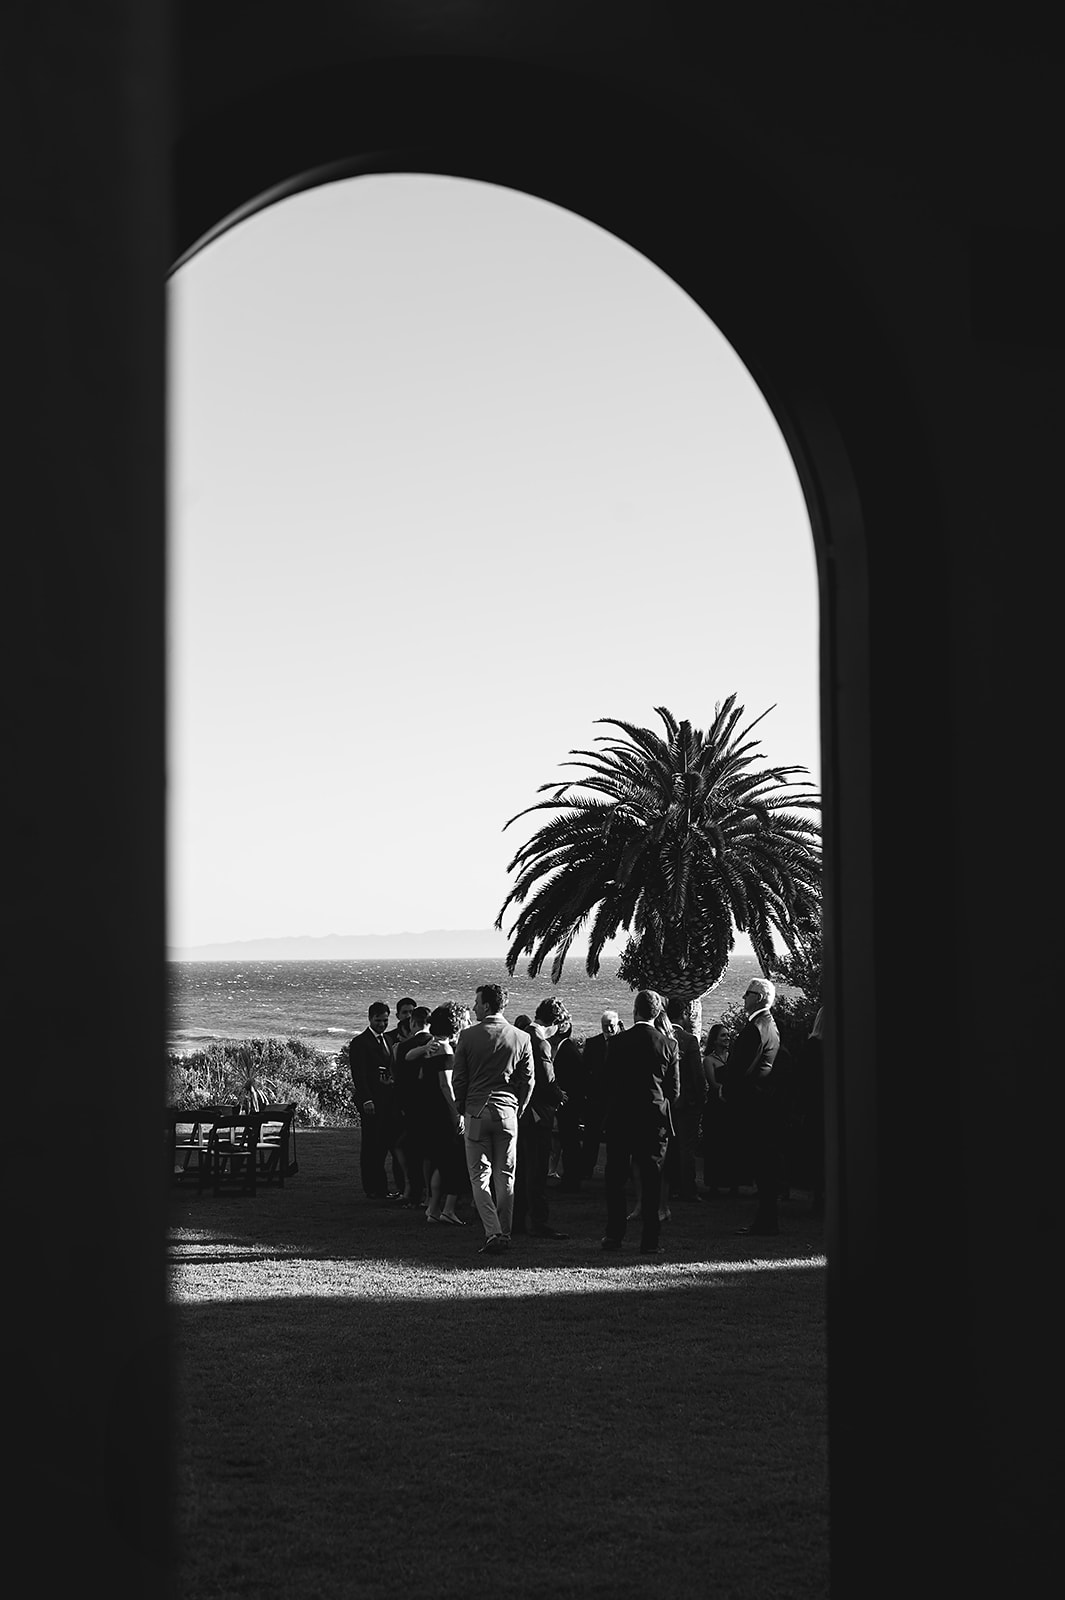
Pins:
<point x="610" y="1244"/>
<point x="495" y="1246"/>
<point x="753" y="1232"/>
<point x="547" y="1233"/>
<point x="652" y="1250"/>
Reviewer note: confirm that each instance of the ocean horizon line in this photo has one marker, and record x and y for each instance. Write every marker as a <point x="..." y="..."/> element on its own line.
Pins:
<point x="430" y="944"/>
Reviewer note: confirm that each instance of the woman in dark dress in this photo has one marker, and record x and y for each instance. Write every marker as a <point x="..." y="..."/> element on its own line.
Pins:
<point x="720" y="1161"/>
<point x="439" y="1125"/>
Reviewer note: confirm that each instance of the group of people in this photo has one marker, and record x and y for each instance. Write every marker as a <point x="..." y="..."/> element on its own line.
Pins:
<point x="497" y="1110"/>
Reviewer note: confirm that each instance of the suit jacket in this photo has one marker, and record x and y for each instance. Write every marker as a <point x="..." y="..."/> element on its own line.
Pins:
<point x="393" y="1037"/>
<point x="751" y="1056"/>
<point x="370" y="1060"/>
<point x="597" y="1048"/>
<point x="642" y="1082"/>
<point x="492" y="1059"/>
<point x="544" y="1100"/>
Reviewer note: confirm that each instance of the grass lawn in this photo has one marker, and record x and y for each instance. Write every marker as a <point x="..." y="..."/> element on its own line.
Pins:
<point x="367" y="1407"/>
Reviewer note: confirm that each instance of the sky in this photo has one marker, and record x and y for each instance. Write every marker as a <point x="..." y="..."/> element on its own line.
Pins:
<point x="453" y="474"/>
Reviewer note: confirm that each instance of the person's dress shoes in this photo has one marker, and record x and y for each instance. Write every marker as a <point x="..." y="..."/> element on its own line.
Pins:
<point x="548" y="1233"/>
<point x="610" y="1244"/>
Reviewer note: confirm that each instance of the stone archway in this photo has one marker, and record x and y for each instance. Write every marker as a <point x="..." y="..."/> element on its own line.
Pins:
<point x="731" y="270"/>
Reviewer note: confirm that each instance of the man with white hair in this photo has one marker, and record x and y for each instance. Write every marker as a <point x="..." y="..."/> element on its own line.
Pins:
<point x="747" y="1082"/>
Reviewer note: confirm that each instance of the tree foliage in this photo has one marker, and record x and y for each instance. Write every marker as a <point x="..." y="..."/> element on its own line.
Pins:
<point x="680" y="840"/>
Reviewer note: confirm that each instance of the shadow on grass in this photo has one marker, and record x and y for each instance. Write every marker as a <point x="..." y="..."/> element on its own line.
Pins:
<point x="366" y="1407"/>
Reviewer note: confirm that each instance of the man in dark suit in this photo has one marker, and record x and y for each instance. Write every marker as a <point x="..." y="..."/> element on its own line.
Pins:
<point x="746" y="1079"/>
<point x="643" y="1084"/>
<point x="596" y="1054"/>
<point x="404" y="1023"/>
<point x="370" y="1060"/>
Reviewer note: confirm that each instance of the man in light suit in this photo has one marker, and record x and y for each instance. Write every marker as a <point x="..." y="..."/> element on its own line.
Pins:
<point x="370" y="1060"/>
<point x="492" y="1081"/>
<point x="747" y="1082"/>
<point x="643" y="1084"/>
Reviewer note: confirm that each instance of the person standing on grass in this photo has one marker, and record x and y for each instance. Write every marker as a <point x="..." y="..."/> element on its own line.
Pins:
<point x="370" y="1060"/>
<point x="750" y="1093"/>
<point x="571" y="1114"/>
<point x="719" y="1156"/>
<point x="492" y="1081"/>
<point x="412" y="1143"/>
<point x="536" y="1126"/>
<point x="596" y="1053"/>
<point x="643" y="1084"/>
<point x="684" y="1147"/>
<point x="438" y="1120"/>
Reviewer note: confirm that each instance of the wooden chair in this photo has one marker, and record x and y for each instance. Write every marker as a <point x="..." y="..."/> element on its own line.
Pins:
<point x="188" y="1133"/>
<point x="277" y="1143"/>
<point x="231" y="1162"/>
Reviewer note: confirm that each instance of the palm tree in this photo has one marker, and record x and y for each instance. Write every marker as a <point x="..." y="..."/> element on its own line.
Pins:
<point x="676" y="841"/>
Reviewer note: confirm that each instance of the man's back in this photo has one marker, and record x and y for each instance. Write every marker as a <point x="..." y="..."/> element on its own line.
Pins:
<point x="642" y="1074"/>
<point x="492" y="1059"/>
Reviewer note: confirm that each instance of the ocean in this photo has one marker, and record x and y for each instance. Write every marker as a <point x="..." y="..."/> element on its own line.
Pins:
<point x="326" y="1002"/>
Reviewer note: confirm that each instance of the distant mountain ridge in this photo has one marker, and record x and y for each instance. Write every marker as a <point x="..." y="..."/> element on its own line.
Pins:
<point x="353" y="947"/>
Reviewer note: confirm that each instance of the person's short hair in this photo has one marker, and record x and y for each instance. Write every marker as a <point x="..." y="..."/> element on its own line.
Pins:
<point x="379" y="1008"/>
<point x="493" y="996"/>
<point x="764" y="989"/>
<point x="524" y="1023"/>
<point x="647" y="1005"/>
<point x="680" y="1010"/>
<point x="406" y="1001"/>
<point x="609" y="1016"/>
<point x="420" y="1015"/>
<point x="551" y="1011"/>
<point x="446" y="1020"/>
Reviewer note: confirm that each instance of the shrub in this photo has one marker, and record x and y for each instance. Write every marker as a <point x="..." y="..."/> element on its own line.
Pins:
<point x="251" y="1071"/>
